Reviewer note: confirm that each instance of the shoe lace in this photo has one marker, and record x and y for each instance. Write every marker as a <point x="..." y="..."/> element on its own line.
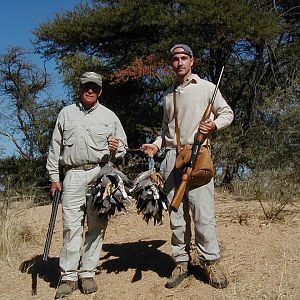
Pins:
<point x="179" y="269"/>
<point x="215" y="274"/>
<point x="212" y="270"/>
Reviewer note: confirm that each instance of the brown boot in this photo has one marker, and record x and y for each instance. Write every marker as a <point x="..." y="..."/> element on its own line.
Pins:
<point x="214" y="275"/>
<point x="65" y="288"/>
<point x="88" y="285"/>
<point x="179" y="273"/>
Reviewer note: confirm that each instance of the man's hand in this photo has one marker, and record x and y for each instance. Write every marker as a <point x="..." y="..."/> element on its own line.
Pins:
<point x="150" y="149"/>
<point x="55" y="186"/>
<point x="207" y="126"/>
<point x="113" y="144"/>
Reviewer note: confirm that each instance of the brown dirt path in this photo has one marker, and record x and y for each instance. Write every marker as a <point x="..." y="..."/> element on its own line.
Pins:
<point x="262" y="260"/>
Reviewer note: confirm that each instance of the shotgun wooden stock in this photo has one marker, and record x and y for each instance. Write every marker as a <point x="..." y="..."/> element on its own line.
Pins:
<point x="198" y="141"/>
<point x="181" y="189"/>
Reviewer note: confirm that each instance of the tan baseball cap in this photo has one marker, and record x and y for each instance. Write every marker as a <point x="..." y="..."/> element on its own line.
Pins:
<point x="91" y="77"/>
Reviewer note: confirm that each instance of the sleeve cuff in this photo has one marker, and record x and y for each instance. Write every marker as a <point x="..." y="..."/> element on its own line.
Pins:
<point x="158" y="142"/>
<point x="54" y="177"/>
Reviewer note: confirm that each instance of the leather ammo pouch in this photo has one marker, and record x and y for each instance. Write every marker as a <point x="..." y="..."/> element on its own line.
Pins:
<point x="203" y="171"/>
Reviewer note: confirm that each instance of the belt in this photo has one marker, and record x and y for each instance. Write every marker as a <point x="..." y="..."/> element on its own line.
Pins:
<point x="85" y="167"/>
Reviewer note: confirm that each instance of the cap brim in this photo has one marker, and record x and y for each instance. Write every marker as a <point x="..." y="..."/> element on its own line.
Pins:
<point x="84" y="81"/>
<point x="182" y="52"/>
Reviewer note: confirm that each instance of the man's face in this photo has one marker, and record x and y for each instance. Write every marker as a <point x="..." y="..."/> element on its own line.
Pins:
<point x="182" y="63"/>
<point x="89" y="93"/>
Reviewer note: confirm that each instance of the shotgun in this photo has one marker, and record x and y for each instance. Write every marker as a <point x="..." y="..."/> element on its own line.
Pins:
<point x="55" y="203"/>
<point x="198" y="141"/>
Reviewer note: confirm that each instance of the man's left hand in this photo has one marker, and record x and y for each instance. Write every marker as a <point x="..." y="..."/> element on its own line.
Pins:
<point x="207" y="126"/>
<point x="113" y="144"/>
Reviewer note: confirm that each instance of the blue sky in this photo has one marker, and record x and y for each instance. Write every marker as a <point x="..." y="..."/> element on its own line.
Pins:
<point x="18" y="19"/>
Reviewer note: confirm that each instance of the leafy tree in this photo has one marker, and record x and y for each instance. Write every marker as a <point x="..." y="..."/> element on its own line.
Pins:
<point x="257" y="41"/>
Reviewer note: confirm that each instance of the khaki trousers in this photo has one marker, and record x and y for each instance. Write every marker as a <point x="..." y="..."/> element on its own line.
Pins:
<point x="198" y="201"/>
<point x="78" y="257"/>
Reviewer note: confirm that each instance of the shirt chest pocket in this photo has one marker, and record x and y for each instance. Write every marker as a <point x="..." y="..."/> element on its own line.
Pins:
<point x="98" y="135"/>
<point x="69" y="133"/>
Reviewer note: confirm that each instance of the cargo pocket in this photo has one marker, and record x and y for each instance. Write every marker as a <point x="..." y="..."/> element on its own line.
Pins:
<point x="98" y="135"/>
<point x="69" y="137"/>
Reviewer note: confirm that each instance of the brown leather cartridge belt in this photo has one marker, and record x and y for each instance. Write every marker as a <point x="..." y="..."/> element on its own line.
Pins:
<point x="85" y="167"/>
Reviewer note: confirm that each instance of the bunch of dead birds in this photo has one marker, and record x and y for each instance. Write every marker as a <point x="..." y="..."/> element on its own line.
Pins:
<point x="111" y="190"/>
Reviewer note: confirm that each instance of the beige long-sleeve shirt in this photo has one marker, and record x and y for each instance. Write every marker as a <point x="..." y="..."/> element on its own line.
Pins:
<point x="80" y="137"/>
<point x="192" y="98"/>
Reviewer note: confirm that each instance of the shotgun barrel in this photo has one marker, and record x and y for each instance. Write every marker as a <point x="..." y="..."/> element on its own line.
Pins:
<point x="55" y="203"/>
<point x="198" y="141"/>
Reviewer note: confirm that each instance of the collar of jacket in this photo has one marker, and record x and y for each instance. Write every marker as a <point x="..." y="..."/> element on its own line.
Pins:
<point x="193" y="78"/>
<point x="81" y="107"/>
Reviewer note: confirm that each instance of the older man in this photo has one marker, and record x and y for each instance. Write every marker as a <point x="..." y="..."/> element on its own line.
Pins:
<point x="86" y="134"/>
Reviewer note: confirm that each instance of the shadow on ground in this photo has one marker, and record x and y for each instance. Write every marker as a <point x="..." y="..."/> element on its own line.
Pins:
<point x="48" y="270"/>
<point x="140" y="256"/>
<point x="197" y="272"/>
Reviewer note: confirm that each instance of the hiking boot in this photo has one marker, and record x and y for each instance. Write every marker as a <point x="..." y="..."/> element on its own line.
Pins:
<point x="88" y="285"/>
<point x="214" y="274"/>
<point x="65" y="288"/>
<point x="179" y="273"/>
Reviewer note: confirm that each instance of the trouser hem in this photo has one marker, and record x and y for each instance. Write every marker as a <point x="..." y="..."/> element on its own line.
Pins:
<point x="69" y="278"/>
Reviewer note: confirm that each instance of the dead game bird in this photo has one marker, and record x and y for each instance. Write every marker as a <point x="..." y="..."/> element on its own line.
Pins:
<point x="108" y="190"/>
<point x="151" y="200"/>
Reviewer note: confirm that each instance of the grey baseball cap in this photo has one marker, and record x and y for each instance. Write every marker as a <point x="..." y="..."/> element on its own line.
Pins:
<point x="91" y="77"/>
<point x="186" y="50"/>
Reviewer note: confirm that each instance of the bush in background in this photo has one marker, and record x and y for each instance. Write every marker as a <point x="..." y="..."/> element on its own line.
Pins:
<point x="273" y="188"/>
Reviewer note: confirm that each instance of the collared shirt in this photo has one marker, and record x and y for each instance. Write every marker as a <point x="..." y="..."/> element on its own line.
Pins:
<point x="81" y="137"/>
<point x="192" y="98"/>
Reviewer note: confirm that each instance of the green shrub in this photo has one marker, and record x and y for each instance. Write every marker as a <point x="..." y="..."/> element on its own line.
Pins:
<point x="273" y="188"/>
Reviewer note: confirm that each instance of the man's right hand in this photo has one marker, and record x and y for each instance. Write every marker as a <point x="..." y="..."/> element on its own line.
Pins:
<point x="54" y="187"/>
<point x="150" y="149"/>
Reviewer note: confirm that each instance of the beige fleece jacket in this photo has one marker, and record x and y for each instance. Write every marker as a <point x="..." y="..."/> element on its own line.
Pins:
<point x="192" y="98"/>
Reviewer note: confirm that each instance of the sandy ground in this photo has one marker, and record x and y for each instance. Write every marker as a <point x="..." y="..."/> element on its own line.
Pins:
<point x="262" y="260"/>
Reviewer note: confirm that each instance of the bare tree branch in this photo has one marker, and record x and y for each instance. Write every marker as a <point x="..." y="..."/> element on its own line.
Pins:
<point x="21" y="151"/>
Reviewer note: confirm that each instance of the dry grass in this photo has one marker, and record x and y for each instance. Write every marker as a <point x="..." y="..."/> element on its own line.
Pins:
<point x="9" y="234"/>
<point x="15" y="227"/>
